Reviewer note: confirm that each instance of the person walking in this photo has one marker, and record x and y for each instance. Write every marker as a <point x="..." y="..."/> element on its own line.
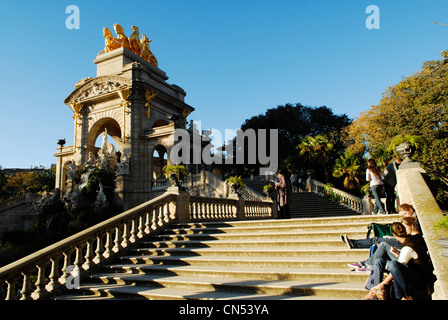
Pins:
<point x="375" y="177"/>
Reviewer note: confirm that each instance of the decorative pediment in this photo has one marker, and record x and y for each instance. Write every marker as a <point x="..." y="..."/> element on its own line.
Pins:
<point x="95" y="88"/>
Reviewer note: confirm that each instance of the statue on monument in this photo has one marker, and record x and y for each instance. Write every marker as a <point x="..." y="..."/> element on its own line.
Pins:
<point x="139" y="47"/>
<point x="107" y="158"/>
<point x="110" y="42"/>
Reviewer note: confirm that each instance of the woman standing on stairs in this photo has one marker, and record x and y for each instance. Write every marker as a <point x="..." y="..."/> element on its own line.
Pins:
<point x="283" y="188"/>
<point x="375" y="176"/>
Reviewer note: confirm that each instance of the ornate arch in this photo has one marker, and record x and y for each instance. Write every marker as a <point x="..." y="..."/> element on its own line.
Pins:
<point x="91" y="90"/>
<point x="112" y="126"/>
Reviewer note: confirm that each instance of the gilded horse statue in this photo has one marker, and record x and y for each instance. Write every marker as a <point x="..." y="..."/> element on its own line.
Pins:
<point x="139" y="47"/>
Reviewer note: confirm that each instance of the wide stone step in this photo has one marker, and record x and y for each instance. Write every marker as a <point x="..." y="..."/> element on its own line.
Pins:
<point x="253" y="261"/>
<point x="321" y="236"/>
<point x="147" y="286"/>
<point x="343" y="227"/>
<point x="264" y="252"/>
<point x="248" y="244"/>
<point x="262" y="259"/>
<point x="330" y="221"/>
<point x="240" y="272"/>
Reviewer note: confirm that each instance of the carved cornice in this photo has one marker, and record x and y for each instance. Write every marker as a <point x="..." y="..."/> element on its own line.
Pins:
<point x="98" y="88"/>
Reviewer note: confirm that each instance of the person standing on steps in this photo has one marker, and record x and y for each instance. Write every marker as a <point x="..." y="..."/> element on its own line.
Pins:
<point x="283" y="187"/>
<point x="375" y="176"/>
<point x="390" y="181"/>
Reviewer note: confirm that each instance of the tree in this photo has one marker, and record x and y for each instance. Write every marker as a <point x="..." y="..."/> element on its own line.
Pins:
<point x="317" y="149"/>
<point x="346" y="167"/>
<point x="294" y="122"/>
<point x="416" y="106"/>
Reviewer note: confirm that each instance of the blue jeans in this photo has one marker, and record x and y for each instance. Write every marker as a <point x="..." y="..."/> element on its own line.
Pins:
<point x="366" y="243"/>
<point x="382" y="251"/>
<point x="376" y="190"/>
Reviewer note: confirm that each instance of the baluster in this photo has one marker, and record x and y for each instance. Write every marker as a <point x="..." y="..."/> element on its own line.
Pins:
<point x="149" y="223"/>
<point x="78" y="258"/>
<point x="172" y="210"/>
<point x="193" y="210"/>
<point x="153" y="215"/>
<point x="165" y="212"/>
<point x="159" y="216"/>
<point x="140" y="227"/>
<point x="133" y="237"/>
<point x="11" y="293"/>
<point x="54" y="274"/>
<point x="125" y="237"/>
<point x="108" y="247"/>
<point x="40" y="282"/>
<point x="117" y="240"/>
<point x="63" y="278"/>
<point x="88" y="257"/>
<point x="26" y="287"/>
<point x="99" y="250"/>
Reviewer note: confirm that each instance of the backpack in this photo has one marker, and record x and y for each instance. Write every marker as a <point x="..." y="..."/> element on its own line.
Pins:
<point x="379" y="230"/>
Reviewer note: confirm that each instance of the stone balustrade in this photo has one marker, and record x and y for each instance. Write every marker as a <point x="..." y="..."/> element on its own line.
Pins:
<point x="346" y="199"/>
<point x="50" y="270"/>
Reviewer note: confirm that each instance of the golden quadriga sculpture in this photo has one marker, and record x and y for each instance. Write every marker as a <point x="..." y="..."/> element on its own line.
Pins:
<point x="138" y="46"/>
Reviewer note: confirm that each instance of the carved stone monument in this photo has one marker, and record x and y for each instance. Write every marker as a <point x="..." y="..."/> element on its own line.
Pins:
<point x="131" y="101"/>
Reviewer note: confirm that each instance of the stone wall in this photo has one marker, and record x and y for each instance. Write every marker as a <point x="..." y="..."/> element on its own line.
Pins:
<point x="17" y="216"/>
<point x="413" y="189"/>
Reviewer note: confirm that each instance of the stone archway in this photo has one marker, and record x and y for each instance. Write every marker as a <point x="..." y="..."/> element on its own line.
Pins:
<point x="158" y="161"/>
<point x="113" y="129"/>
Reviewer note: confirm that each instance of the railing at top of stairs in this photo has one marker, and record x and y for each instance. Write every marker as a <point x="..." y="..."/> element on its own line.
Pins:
<point x="344" y="198"/>
<point x="58" y="266"/>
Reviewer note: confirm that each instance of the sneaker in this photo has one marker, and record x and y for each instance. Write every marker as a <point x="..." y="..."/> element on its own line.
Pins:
<point x="347" y="241"/>
<point x="364" y="269"/>
<point x="355" y="265"/>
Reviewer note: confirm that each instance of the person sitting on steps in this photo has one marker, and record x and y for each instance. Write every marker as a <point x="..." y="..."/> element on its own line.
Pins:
<point x="406" y="210"/>
<point x="411" y="274"/>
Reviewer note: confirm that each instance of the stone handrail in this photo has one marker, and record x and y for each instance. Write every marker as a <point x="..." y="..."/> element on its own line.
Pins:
<point x="346" y="199"/>
<point x="412" y="189"/>
<point x="49" y="270"/>
<point x="85" y="250"/>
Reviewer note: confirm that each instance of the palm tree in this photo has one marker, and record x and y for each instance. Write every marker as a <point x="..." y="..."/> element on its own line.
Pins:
<point x="347" y="166"/>
<point x="316" y="148"/>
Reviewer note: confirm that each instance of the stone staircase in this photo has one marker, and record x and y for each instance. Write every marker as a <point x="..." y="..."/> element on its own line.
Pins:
<point x="263" y="259"/>
<point x="310" y="204"/>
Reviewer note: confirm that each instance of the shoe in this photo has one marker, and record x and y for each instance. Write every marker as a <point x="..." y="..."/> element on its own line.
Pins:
<point x="347" y="241"/>
<point x="364" y="269"/>
<point x="354" y="265"/>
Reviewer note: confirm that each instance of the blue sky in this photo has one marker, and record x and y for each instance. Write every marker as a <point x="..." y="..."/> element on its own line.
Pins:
<point x="234" y="58"/>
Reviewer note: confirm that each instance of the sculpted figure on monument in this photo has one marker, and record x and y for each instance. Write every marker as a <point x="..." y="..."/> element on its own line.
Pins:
<point x="134" y="41"/>
<point x="139" y="47"/>
<point x="121" y="37"/>
<point x="146" y="53"/>
<point x="110" y="42"/>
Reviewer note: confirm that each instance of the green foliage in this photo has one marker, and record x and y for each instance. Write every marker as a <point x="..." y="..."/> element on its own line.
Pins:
<point x="418" y="144"/>
<point x="179" y="170"/>
<point x="237" y="182"/>
<point x="294" y="122"/>
<point x="268" y="187"/>
<point x="346" y="167"/>
<point x="415" y="109"/>
<point x="442" y="223"/>
<point x="22" y="182"/>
